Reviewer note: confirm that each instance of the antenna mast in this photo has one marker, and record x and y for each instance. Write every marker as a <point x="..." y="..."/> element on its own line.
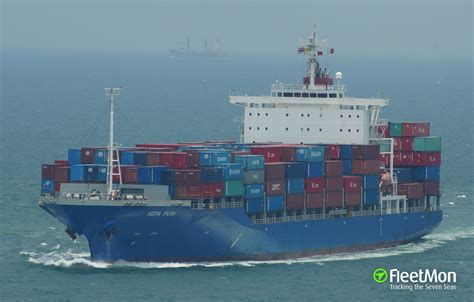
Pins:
<point x="312" y="48"/>
<point x="112" y="92"/>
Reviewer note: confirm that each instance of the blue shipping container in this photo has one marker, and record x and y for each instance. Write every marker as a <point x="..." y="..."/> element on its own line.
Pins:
<point x="254" y="205"/>
<point x="404" y="175"/>
<point x="205" y="158"/>
<point x="234" y="171"/>
<point x="370" y="196"/>
<point x="127" y="158"/>
<point x="347" y="166"/>
<point x="370" y="181"/>
<point x="102" y="173"/>
<point x="219" y="158"/>
<point x="295" y="186"/>
<point x="254" y="191"/>
<point x="74" y="156"/>
<point x="315" y="153"/>
<point x="251" y="162"/>
<point x="157" y="170"/>
<point x="212" y="174"/>
<point x="83" y="173"/>
<point x="275" y="203"/>
<point x="145" y="175"/>
<point x="100" y="156"/>
<point x="315" y="169"/>
<point x="295" y="170"/>
<point x="430" y="173"/>
<point x="47" y="185"/>
<point x="345" y="152"/>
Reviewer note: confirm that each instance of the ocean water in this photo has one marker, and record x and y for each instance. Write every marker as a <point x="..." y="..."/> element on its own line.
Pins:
<point x="51" y="101"/>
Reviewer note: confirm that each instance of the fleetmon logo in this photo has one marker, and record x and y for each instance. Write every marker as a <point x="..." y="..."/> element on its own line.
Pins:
<point x="380" y="275"/>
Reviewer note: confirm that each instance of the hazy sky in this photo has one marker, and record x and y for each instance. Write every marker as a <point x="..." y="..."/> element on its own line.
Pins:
<point x="415" y="28"/>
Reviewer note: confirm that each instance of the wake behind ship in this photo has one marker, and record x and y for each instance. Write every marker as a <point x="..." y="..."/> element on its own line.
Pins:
<point x="339" y="179"/>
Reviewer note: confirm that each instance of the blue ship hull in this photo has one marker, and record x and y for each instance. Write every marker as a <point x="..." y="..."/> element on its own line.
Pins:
<point x="162" y="234"/>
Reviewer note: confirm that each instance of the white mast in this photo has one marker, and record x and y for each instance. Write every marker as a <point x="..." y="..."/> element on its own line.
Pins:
<point x="312" y="48"/>
<point x="110" y="165"/>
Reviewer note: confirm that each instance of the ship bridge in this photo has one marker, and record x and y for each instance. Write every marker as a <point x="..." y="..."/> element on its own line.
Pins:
<point x="315" y="112"/>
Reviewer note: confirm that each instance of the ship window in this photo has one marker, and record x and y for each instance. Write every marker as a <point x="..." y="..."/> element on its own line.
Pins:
<point x="320" y="129"/>
<point x="286" y="129"/>
<point x="266" y="128"/>
<point x="341" y="115"/>
<point x="312" y="95"/>
<point x="307" y="129"/>
<point x="348" y="130"/>
<point x="340" y="95"/>
<point x="308" y="115"/>
<point x="279" y="94"/>
<point x="304" y="94"/>
<point x="250" y="128"/>
<point x="350" y="116"/>
<point x="357" y="116"/>
<point x="297" y="95"/>
<point x="322" y="95"/>
<point x="320" y="115"/>
<point x="253" y="142"/>
<point x="333" y="95"/>
<point x="357" y="130"/>
<point x="258" y="114"/>
<point x="301" y="143"/>
<point x="340" y="130"/>
<point x="266" y="114"/>
<point x="250" y="113"/>
<point x="258" y="128"/>
<point x="302" y="129"/>
<point x="287" y="114"/>
<point x="302" y="115"/>
<point x="287" y="94"/>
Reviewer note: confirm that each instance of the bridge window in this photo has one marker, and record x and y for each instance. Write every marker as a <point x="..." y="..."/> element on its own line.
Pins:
<point x="279" y="94"/>
<point x="297" y="94"/>
<point x="312" y="95"/>
<point x="333" y="95"/>
<point x="288" y="94"/>
<point x="322" y="95"/>
<point x="340" y="95"/>
<point x="304" y="94"/>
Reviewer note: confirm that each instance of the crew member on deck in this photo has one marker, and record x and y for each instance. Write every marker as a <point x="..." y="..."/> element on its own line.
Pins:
<point x="385" y="183"/>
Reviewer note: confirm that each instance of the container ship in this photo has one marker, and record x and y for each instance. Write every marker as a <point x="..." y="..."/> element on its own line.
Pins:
<point x="213" y="51"/>
<point x="316" y="171"/>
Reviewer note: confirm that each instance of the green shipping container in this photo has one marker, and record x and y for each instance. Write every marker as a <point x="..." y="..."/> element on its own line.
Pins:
<point x="395" y="129"/>
<point x="384" y="146"/>
<point x="234" y="188"/>
<point x="427" y="143"/>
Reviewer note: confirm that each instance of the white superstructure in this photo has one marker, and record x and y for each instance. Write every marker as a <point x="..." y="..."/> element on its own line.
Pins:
<point x="317" y="111"/>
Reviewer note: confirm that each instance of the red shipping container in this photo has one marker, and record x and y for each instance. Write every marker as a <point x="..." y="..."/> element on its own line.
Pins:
<point x="179" y="177"/>
<point x="275" y="170"/>
<point x="295" y="202"/>
<point x="185" y="192"/>
<point x="403" y="158"/>
<point x="431" y="188"/>
<point x="385" y="159"/>
<point x="384" y="131"/>
<point x="413" y="190"/>
<point x="314" y="184"/>
<point x="403" y="144"/>
<point x="270" y="153"/>
<point x="334" y="199"/>
<point x="333" y="167"/>
<point x="61" y="174"/>
<point x="427" y="158"/>
<point x="352" y="198"/>
<point x="415" y="129"/>
<point x="314" y="200"/>
<point x="179" y="160"/>
<point x="288" y="153"/>
<point x="159" y="146"/>
<point x="212" y="190"/>
<point x="193" y="177"/>
<point x="166" y="158"/>
<point x="57" y="186"/>
<point x="87" y="155"/>
<point x="275" y="187"/>
<point x="366" y="152"/>
<point x="332" y="152"/>
<point x="129" y="175"/>
<point x="333" y="183"/>
<point x="61" y="162"/>
<point x="352" y="183"/>
<point x="192" y="159"/>
<point x="153" y="159"/>
<point x="365" y="166"/>
<point x="193" y="191"/>
<point x="47" y="171"/>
